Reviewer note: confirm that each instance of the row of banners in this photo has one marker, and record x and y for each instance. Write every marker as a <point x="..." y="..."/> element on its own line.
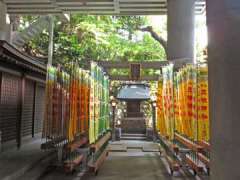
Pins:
<point x="99" y="103"/>
<point x="182" y="102"/>
<point x="76" y="103"/>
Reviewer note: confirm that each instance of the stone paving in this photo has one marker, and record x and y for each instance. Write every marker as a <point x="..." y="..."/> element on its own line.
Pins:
<point x="14" y="163"/>
<point x="133" y="164"/>
<point x="145" y="167"/>
<point x="129" y="160"/>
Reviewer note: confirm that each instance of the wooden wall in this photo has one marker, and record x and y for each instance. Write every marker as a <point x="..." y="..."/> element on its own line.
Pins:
<point x="21" y="107"/>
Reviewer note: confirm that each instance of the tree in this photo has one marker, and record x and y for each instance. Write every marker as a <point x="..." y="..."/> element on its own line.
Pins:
<point x="155" y="36"/>
<point x="96" y="38"/>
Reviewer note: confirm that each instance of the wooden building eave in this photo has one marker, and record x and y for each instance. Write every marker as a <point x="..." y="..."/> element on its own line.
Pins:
<point x="17" y="59"/>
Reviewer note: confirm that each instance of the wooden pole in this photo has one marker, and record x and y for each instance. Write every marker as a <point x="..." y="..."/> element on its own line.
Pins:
<point x="50" y="45"/>
<point x="34" y="108"/>
<point x="113" y="123"/>
<point x="21" y="105"/>
<point x="154" y="121"/>
<point x="0" y="114"/>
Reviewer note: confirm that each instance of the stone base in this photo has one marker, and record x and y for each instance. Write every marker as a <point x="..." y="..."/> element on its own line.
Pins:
<point x="149" y="134"/>
<point x="133" y="125"/>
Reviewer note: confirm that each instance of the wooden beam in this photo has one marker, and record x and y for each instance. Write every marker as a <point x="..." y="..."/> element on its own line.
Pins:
<point x="141" y="1"/>
<point x="30" y="6"/>
<point x="90" y="8"/>
<point x="136" y="9"/>
<point x="173" y="165"/>
<point x="52" y="144"/>
<point x="194" y="164"/>
<point x="171" y="147"/>
<point x="156" y="64"/>
<point x="143" y="5"/>
<point x="126" y="65"/>
<point x="70" y="164"/>
<point x="189" y="144"/>
<point x="94" y="166"/>
<point x="79" y="3"/>
<point x="118" y="7"/>
<point x="33" y="11"/>
<point x="205" y="145"/>
<point x="76" y="144"/>
<point x="203" y="159"/>
<point x="26" y="1"/>
<point x="127" y="78"/>
<point x="103" y="140"/>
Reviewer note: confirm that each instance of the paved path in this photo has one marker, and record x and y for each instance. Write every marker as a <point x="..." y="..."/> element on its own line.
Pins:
<point x="147" y="167"/>
<point x="134" y="164"/>
<point x="14" y="163"/>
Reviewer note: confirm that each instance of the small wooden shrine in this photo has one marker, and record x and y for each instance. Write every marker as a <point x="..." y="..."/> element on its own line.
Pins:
<point x="134" y="94"/>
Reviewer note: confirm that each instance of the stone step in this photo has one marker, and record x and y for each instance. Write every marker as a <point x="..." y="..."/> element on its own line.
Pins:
<point x="133" y="138"/>
<point x="118" y="148"/>
<point x="133" y="135"/>
<point x="134" y="118"/>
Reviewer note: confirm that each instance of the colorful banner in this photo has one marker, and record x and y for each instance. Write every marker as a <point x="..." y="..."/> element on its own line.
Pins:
<point x="203" y="105"/>
<point x="168" y="101"/>
<point x="67" y="101"/>
<point x="99" y="103"/>
<point x="182" y="102"/>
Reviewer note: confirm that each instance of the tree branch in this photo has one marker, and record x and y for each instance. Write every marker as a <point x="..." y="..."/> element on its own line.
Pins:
<point x="154" y="35"/>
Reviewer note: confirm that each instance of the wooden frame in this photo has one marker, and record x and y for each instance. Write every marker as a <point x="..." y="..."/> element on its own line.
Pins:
<point x="135" y="71"/>
<point x="114" y="7"/>
<point x="95" y="147"/>
<point x="69" y="165"/>
<point x="127" y="78"/>
<point x="189" y="144"/>
<point x="73" y="146"/>
<point x="194" y="165"/>
<point x="95" y="166"/>
<point x="204" y="159"/>
<point x="205" y="145"/>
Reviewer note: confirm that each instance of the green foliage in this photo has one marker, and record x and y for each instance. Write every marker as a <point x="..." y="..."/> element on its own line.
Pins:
<point x="98" y="38"/>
